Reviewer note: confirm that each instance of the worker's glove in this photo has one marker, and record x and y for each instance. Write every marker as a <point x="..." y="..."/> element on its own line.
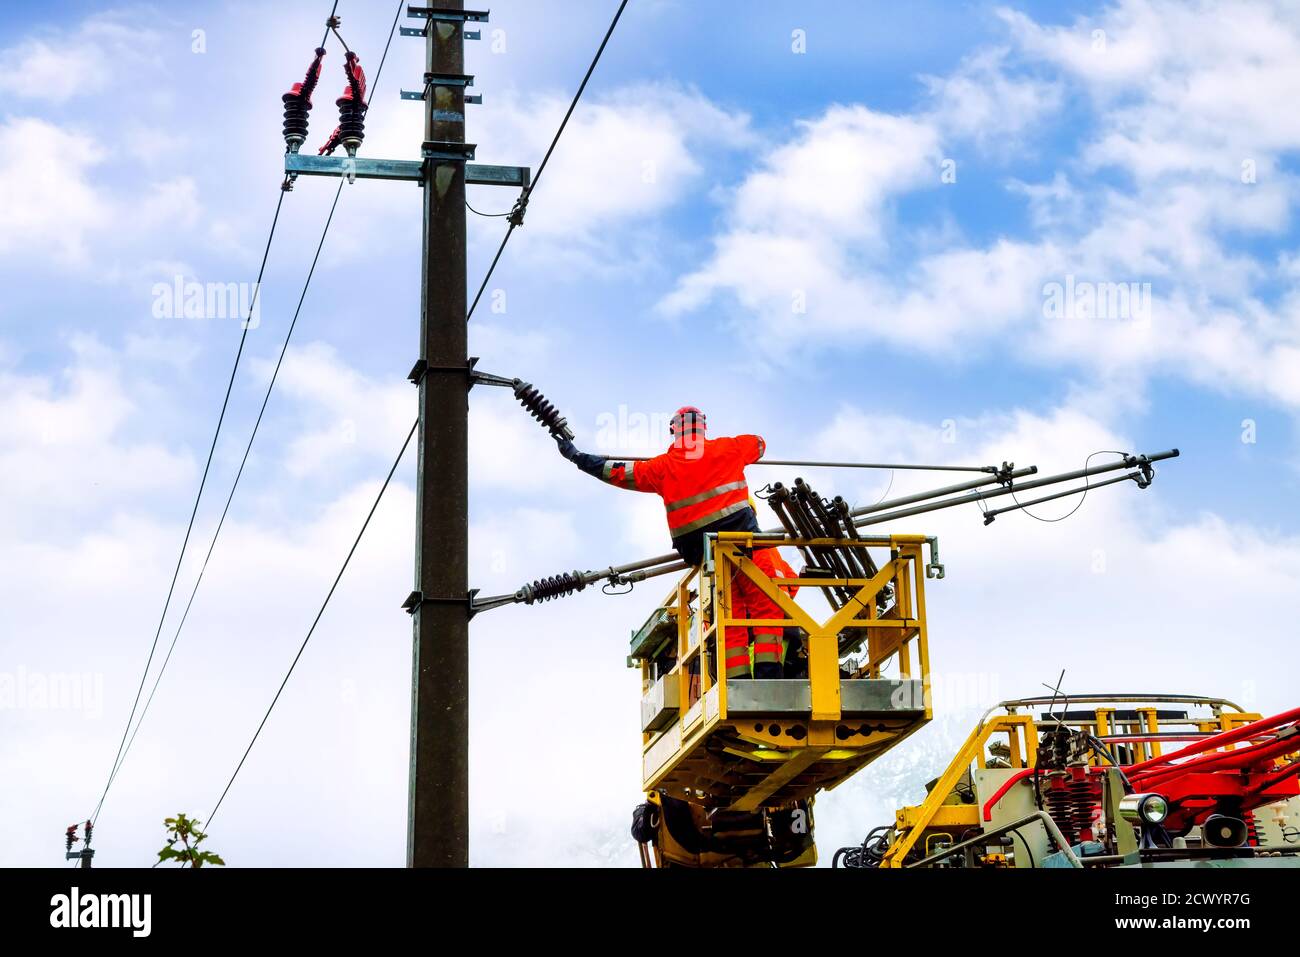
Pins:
<point x="567" y="448"/>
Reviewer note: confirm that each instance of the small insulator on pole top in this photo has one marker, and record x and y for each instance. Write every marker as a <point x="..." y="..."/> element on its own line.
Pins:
<point x="297" y="105"/>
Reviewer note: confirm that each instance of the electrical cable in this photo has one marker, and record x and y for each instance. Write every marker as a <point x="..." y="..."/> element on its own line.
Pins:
<point x="1016" y="832"/>
<point x="310" y="631"/>
<point x="1077" y="505"/>
<point x="522" y="205"/>
<point x="230" y="497"/>
<point x="118" y="762"/>
<point x="486" y="215"/>
<point x="189" y="528"/>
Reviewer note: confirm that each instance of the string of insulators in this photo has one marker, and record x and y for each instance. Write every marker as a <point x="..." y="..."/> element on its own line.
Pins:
<point x="542" y="410"/>
<point x="297" y="104"/>
<point x="556" y="586"/>
<point x="352" y="109"/>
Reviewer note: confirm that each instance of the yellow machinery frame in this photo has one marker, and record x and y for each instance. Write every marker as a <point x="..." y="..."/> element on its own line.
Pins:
<point x="938" y="813"/>
<point x="724" y="752"/>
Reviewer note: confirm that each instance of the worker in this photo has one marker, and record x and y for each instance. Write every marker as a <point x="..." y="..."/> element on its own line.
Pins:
<point x="776" y="567"/>
<point x="770" y="645"/>
<point x="702" y="484"/>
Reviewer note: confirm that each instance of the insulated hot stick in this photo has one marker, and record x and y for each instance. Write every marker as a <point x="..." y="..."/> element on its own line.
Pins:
<point x="990" y="469"/>
<point x="1143" y="474"/>
<point x="546" y="588"/>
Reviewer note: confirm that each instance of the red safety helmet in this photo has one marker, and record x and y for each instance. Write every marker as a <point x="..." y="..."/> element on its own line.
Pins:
<point x="688" y="427"/>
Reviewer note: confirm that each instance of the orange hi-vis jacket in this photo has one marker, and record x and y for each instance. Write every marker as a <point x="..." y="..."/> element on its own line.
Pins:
<point x="700" y="484"/>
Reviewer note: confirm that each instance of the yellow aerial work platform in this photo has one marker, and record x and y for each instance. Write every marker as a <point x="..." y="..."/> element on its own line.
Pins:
<point x="748" y="745"/>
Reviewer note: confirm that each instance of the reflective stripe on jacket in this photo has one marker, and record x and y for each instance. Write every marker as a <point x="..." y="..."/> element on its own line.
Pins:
<point x="702" y="484"/>
<point x="699" y="484"/>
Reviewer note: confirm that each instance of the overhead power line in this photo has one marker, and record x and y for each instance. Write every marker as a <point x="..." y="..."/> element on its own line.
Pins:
<point x="522" y="203"/>
<point x="310" y="631"/>
<point x="189" y="528"/>
<point x="123" y="751"/>
<point x="516" y="216"/>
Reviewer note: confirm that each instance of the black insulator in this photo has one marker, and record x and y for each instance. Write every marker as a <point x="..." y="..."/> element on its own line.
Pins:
<point x="352" y="122"/>
<point x="556" y="586"/>
<point x="296" y="108"/>
<point x="542" y="410"/>
<point x="297" y="104"/>
<point x="352" y="108"/>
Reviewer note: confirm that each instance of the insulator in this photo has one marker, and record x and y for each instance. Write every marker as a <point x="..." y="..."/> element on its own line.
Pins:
<point x="1252" y="829"/>
<point x="352" y="107"/>
<point x="1084" y="806"/>
<point x="1057" y="804"/>
<point x="542" y="410"/>
<point x="297" y="105"/>
<point x="556" y="586"/>
<point x="352" y="125"/>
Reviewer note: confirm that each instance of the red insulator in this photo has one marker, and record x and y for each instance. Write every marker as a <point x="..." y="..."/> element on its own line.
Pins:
<point x="297" y="104"/>
<point x="1085" y="806"/>
<point x="352" y="109"/>
<point x="1056" y="801"/>
<point x="1252" y="829"/>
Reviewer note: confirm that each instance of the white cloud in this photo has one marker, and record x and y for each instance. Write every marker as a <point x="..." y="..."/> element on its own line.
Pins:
<point x="626" y="155"/>
<point x="46" y="197"/>
<point x="63" y="455"/>
<point x="81" y="64"/>
<point x="347" y="413"/>
<point x="809" y="250"/>
<point x="984" y="101"/>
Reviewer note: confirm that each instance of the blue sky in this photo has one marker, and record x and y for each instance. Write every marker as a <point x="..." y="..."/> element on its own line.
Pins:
<point x="711" y="177"/>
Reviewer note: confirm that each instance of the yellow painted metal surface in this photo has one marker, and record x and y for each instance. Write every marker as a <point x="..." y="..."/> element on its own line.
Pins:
<point x="719" y="756"/>
<point x="914" y="825"/>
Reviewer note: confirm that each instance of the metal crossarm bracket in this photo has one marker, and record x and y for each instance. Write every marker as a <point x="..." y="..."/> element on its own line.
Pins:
<point x="447" y="16"/>
<point x="476" y="174"/>
<point x="422" y="368"/>
<point x="417" y="598"/>
<point x="443" y="79"/>
<point x="423" y="32"/>
<point x="353" y="166"/>
<point x="449" y="79"/>
<point x="448" y="151"/>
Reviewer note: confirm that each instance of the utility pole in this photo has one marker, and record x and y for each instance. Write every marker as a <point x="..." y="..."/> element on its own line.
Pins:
<point x="438" y="816"/>
<point x="86" y="854"/>
<point x="438" y="810"/>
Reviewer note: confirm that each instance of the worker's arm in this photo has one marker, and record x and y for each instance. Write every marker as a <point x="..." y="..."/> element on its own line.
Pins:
<point x="752" y="447"/>
<point x="628" y="475"/>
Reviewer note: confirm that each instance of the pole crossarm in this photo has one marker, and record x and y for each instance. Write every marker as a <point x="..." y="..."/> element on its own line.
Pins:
<point x="413" y="171"/>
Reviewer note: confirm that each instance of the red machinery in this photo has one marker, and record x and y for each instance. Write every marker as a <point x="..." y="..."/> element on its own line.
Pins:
<point x="1227" y="775"/>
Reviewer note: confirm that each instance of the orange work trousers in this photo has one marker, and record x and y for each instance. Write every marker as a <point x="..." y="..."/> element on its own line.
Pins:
<point x="749" y="601"/>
